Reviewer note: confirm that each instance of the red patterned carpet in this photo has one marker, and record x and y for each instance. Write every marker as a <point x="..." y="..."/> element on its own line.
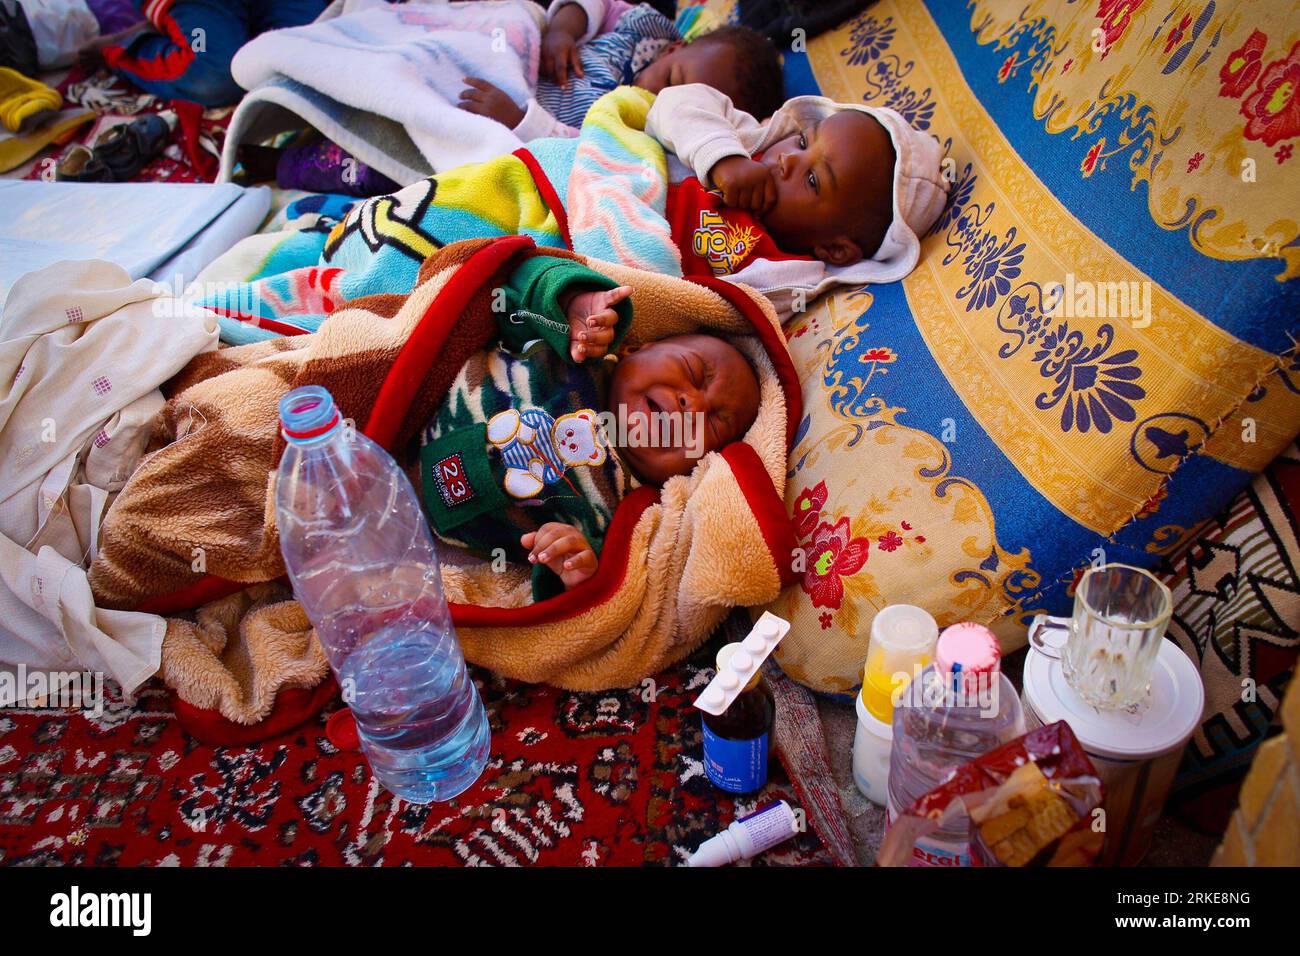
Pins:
<point x="574" y="779"/>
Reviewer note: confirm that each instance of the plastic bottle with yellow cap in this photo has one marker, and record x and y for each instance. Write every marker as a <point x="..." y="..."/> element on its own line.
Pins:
<point x="902" y="643"/>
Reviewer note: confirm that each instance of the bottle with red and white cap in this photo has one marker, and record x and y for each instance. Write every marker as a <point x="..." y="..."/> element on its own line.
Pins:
<point x="960" y="707"/>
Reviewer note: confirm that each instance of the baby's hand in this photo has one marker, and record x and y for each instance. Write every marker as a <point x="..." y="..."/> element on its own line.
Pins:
<point x="483" y="98"/>
<point x="592" y="319"/>
<point x="745" y="184"/>
<point x="560" y="52"/>
<point x="563" y="549"/>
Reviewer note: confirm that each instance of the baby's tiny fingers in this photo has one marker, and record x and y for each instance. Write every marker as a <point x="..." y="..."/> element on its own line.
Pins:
<point x="600" y="320"/>
<point x="557" y="549"/>
<point x="570" y="547"/>
<point x="615" y="296"/>
<point x="601" y="335"/>
<point x="540" y="543"/>
<point x="584" y="560"/>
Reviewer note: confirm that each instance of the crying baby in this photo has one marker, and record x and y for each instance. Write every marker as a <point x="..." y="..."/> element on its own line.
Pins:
<point x="542" y="434"/>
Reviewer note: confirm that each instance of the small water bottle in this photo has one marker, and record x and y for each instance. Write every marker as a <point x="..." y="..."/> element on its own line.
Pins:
<point x="958" y="708"/>
<point x="363" y="566"/>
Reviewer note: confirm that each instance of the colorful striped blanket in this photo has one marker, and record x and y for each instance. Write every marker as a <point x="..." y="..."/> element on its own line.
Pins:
<point x="602" y="194"/>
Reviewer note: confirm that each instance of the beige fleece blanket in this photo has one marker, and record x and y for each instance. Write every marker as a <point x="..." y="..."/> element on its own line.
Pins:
<point x="201" y="502"/>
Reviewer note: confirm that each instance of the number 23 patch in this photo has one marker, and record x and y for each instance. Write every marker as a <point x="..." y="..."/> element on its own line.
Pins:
<point x="451" y="480"/>
<point x="456" y="479"/>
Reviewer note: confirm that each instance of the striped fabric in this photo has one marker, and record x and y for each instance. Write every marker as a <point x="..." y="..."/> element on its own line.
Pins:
<point x="612" y="59"/>
<point x="521" y="456"/>
<point x="155" y="10"/>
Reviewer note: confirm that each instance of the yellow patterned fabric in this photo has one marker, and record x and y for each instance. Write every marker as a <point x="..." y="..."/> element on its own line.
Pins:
<point x="1097" y="349"/>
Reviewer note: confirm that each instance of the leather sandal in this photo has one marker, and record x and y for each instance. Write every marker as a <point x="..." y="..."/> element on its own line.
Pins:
<point x="128" y="147"/>
<point x="79" y="165"/>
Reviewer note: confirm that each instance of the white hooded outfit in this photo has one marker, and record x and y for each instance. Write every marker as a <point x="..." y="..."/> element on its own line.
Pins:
<point x="701" y="126"/>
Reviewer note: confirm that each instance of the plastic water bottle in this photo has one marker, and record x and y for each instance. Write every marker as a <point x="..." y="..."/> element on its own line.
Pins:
<point x="363" y="566"/>
<point x="958" y="708"/>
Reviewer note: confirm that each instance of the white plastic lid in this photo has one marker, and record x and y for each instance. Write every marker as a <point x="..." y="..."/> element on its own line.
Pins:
<point x="904" y="627"/>
<point x="1171" y="714"/>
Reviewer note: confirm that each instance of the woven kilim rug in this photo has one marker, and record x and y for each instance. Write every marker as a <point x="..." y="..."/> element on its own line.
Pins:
<point x="575" y="779"/>
<point x="1236" y="590"/>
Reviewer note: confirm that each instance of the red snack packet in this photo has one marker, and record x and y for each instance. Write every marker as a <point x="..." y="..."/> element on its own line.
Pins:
<point x="1029" y="802"/>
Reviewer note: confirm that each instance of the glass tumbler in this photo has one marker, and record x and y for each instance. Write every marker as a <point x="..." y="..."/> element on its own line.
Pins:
<point x="1120" y="617"/>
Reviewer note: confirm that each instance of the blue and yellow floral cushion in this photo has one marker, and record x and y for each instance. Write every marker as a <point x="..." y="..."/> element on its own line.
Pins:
<point x="1097" y="350"/>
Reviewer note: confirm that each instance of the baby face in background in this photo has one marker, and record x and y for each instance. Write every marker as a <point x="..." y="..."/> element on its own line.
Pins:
<point x="678" y="63"/>
<point x="700" y="377"/>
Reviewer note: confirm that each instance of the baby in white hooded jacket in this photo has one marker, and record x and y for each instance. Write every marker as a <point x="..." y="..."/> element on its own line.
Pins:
<point x="821" y="194"/>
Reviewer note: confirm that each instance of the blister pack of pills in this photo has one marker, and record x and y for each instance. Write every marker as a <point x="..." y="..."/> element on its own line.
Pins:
<point x="742" y="665"/>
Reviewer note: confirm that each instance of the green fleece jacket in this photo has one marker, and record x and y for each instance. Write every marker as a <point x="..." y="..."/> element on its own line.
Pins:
<point x="515" y="444"/>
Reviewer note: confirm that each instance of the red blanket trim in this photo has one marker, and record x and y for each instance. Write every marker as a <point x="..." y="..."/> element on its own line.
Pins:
<point x="767" y="506"/>
<point x="208" y="588"/>
<point x="413" y="361"/>
<point x="596" y="590"/>
<point x="549" y="195"/>
<point x="773" y="341"/>
<point x="293" y="707"/>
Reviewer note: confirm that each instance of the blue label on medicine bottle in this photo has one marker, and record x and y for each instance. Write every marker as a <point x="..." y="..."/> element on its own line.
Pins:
<point x="737" y="766"/>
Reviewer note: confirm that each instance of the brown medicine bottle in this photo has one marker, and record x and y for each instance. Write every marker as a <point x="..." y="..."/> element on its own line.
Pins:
<point x="738" y="742"/>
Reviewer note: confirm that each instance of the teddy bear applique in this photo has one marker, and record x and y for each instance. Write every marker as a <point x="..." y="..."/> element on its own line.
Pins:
<point x="537" y="449"/>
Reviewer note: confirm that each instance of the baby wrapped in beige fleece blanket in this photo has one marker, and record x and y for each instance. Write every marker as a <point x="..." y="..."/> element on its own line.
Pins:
<point x="196" y="520"/>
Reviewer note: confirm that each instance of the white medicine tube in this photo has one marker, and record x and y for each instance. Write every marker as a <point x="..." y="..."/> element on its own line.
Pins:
<point x="748" y="837"/>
